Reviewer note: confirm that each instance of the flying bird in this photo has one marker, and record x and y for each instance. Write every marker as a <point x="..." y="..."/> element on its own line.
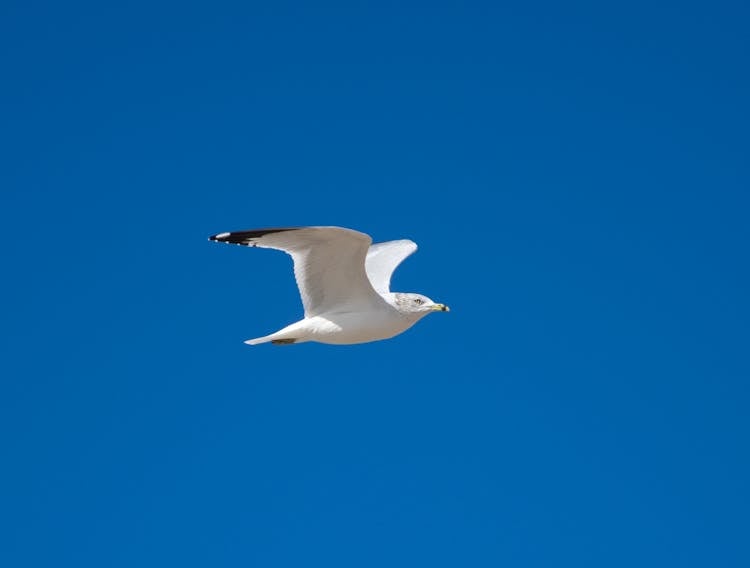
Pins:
<point x="344" y="281"/>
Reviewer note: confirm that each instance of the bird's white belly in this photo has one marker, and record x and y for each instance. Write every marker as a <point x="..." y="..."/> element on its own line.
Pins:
<point x="355" y="327"/>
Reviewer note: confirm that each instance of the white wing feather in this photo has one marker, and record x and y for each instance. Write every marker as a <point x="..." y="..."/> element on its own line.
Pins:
<point x="383" y="258"/>
<point x="329" y="264"/>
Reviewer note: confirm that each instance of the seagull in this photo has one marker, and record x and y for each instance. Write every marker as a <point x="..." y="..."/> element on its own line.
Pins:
<point x="344" y="281"/>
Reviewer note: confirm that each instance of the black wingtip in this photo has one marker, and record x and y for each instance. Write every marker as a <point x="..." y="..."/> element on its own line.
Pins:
<point x="219" y="237"/>
<point x="246" y="237"/>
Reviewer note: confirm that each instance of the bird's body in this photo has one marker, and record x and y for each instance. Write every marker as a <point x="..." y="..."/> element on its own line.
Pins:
<point x="344" y="283"/>
<point x="344" y="328"/>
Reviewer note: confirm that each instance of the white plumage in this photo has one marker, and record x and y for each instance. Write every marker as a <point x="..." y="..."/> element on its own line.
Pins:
<point x="344" y="282"/>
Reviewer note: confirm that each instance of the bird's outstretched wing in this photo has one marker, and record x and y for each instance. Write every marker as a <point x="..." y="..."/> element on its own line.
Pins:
<point x="383" y="258"/>
<point x="329" y="264"/>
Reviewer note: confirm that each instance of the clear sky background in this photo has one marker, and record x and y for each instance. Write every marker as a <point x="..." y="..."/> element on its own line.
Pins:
<point x="576" y="175"/>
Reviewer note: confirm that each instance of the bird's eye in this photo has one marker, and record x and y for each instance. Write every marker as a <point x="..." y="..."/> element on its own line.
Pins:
<point x="418" y="301"/>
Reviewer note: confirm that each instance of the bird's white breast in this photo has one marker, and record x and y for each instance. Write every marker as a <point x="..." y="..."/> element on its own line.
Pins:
<point x="356" y="327"/>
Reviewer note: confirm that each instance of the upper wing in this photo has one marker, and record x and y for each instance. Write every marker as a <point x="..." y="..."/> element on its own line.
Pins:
<point x="329" y="264"/>
<point x="383" y="258"/>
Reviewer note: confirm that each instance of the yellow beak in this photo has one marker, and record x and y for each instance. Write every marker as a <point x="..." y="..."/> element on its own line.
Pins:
<point x="440" y="308"/>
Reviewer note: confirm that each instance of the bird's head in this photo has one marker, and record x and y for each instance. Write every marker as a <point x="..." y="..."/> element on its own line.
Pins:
<point x="417" y="305"/>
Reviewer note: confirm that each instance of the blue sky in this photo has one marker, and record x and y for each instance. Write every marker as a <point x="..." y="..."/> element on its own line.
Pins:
<point x="576" y="176"/>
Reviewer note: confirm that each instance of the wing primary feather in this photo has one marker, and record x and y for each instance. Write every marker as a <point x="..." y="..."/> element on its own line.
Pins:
<point x="246" y="237"/>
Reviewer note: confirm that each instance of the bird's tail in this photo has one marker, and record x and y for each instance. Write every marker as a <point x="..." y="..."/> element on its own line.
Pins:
<point x="290" y="334"/>
<point x="267" y="338"/>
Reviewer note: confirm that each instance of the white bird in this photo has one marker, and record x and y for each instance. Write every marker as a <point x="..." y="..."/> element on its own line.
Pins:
<point x="344" y="281"/>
